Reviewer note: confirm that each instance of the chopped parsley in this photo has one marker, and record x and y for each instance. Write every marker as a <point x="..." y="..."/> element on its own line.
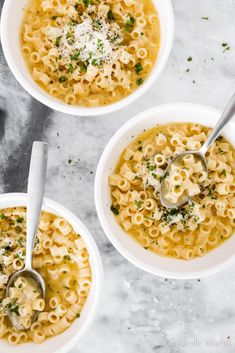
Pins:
<point x="100" y="45"/>
<point x="138" y="68"/>
<point x="224" y="173"/>
<point x="67" y="257"/>
<point x="164" y="176"/>
<point x="110" y="16"/>
<point x="151" y="167"/>
<point x="221" y="151"/>
<point x="20" y="241"/>
<point x="129" y="24"/>
<point x="138" y="204"/>
<point x="7" y="248"/>
<point x="189" y="58"/>
<point x="54" y="17"/>
<point x="70" y="68"/>
<point x="2" y="216"/>
<point x="77" y="315"/>
<point x="205" y="18"/>
<point x="114" y="210"/>
<point x="219" y="138"/>
<point x="83" y="68"/>
<point x="75" y="56"/>
<point x="87" y="2"/>
<point x="225" y="46"/>
<point x="19" y="219"/>
<point x="167" y="215"/>
<point x="57" y="41"/>
<point x="94" y="62"/>
<point x="139" y="81"/>
<point x="13" y="308"/>
<point x="62" y="79"/>
<point x="97" y="24"/>
<point x="211" y="191"/>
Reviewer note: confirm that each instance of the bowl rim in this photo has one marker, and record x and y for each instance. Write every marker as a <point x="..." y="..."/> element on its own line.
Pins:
<point x="100" y="207"/>
<point x="97" y="268"/>
<point x="79" y="110"/>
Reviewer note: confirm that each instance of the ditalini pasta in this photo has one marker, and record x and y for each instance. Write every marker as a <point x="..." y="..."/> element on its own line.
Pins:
<point x="205" y="221"/>
<point x="90" y="52"/>
<point x="25" y="298"/>
<point x="61" y="257"/>
<point x="184" y="178"/>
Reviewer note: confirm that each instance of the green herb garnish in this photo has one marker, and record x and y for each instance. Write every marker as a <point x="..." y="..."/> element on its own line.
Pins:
<point x="138" y="68"/>
<point x="224" y="173"/>
<point x="100" y="44"/>
<point x="129" y="24"/>
<point x="151" y="167"/>
<point x="114" y="210"/>
<point x="83" y="68"/>
<point x="70" y="68"/>
<point x="62" y="79"/>
<point x="110" y="16"/>
<point x="75" y="56"/>
<point x="139" y="81"/>
<point x="87" y="2"/>
<point x="57" y="41"/>
<point x="67" y="257"/>
<point x="138" y="204"/>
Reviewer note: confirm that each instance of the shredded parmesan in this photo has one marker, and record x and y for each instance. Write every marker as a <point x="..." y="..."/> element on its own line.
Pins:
<point x="93" y="42"/>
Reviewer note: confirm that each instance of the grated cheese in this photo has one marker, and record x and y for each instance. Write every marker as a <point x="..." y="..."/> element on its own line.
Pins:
<point x="94" y="42"/>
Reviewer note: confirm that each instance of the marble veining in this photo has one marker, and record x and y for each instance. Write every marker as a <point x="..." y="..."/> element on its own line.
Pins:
<point x="139" y="312"/>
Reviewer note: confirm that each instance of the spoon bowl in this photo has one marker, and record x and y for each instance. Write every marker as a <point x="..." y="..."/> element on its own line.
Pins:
<point x="35" y="276"/>
<point x="36" y="185"/>
<point x="184" y="199"/>
<point x="227" y="115"/>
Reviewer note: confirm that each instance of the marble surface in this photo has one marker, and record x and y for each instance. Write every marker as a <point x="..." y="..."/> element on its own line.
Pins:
<point x="139" y="312"/>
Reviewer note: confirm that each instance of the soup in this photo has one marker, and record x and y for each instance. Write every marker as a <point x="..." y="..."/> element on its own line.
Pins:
<point x="204" y="222"/>
<point x="61" y="257"/>
<point x="90" y="52"/>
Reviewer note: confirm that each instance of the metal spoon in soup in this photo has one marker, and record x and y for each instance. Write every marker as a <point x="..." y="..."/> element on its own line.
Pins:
<point x="26" y="284"/>
<point x="172" y="194"/>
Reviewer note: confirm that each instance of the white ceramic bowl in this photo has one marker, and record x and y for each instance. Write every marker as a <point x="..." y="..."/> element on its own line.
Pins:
<point x="11" y="19"/>
<point x="66" y="340"/>
<point x="216" y="259"/>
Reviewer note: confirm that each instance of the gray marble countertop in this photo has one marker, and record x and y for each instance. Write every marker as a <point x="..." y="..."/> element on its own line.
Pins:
<point x="139" y="312"/>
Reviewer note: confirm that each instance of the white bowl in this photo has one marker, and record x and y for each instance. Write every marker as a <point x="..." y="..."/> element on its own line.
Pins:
<point x="66" y="340"/>
<point x="215" y="260"/>
<point x="12" y="14"/>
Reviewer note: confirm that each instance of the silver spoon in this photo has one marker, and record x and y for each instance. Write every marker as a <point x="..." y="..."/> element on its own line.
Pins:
<point x="227" y="114"/>
<point x="36" y="183"/>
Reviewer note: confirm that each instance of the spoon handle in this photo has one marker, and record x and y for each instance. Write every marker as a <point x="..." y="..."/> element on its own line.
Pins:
<point x="227" y="114"/>
<point x="36" y="183"/>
